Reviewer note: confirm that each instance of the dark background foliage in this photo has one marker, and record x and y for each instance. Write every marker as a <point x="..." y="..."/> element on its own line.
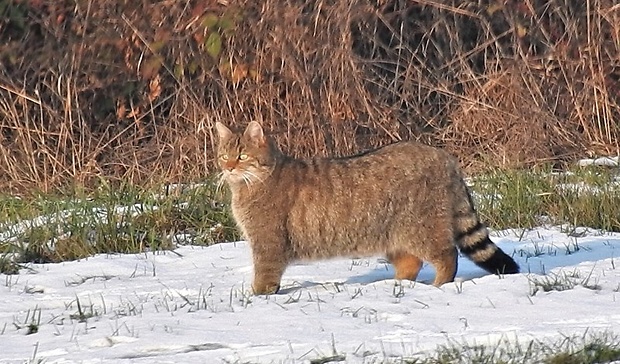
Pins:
<point x="130" y="90"/>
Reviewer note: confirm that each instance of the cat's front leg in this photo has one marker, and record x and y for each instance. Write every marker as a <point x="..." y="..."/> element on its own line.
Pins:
<point x="269" y="265"/>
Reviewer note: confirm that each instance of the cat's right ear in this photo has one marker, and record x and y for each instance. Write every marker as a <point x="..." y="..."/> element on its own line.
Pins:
<point x="223" y="131"/>
<point x="255" y="133"/>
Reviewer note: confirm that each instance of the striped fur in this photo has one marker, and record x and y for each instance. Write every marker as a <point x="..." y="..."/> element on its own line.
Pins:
<point x="406" y="201"/>
<point x="472" y="237"/>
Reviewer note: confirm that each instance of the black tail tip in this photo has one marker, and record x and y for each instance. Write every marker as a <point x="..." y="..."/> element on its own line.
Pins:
<point x="500" y="263"/>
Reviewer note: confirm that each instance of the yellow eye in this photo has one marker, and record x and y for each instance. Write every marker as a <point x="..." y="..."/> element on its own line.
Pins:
<point x="224" y="157"/>
<point x="243" y="156"/>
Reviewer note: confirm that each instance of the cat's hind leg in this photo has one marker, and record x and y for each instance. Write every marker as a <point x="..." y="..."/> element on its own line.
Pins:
<point x="445" y="264"/>
<point x="407" y="265"/>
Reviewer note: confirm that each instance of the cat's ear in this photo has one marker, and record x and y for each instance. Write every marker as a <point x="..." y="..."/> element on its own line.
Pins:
<point x="254" y="132"/>
<point x="223" y="131"/>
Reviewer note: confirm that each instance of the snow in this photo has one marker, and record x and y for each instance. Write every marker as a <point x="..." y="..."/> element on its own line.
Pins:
<point x="600" y="161"/>
<point x="193" y="305"/>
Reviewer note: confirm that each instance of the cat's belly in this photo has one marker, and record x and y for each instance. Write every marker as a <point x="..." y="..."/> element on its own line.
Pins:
<point x="320" y="239"/>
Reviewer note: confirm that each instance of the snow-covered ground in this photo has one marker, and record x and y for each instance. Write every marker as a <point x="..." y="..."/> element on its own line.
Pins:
<point x="193" y="306"/>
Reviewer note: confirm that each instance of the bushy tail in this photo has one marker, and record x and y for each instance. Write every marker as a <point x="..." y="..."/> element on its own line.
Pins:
<point x="472" y="237"/>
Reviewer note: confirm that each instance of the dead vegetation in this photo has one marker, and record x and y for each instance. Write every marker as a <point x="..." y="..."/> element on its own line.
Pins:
<point x="129" y="90"/>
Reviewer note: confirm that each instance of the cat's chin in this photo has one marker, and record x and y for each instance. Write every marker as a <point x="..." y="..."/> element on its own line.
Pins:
<point x="233" y="178"/>
<point x="236" y="179"/>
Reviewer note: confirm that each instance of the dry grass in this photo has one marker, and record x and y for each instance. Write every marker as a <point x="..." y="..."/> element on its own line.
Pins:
<point x="125" y="91"/>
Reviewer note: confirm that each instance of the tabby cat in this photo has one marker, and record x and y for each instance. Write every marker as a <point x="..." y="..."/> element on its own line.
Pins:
<point x="406" y="201"/>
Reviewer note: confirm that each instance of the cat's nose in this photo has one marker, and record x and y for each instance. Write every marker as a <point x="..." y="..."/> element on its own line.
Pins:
<point x="230" y="166"/>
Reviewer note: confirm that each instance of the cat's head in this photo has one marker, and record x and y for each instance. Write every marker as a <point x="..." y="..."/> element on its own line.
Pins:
<point x="248" y="157"/>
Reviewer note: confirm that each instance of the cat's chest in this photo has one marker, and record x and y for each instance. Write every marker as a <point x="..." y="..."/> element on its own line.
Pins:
<point x="255" y="213"/>
<point x="241" y="215"/>
<point x="248" y="215"/>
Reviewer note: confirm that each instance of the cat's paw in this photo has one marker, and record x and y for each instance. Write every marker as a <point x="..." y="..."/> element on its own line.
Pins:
<point x="263" y="288"/>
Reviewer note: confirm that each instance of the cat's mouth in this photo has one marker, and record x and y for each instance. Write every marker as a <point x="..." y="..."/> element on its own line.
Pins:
<point x="231" y="175"/>
<point x="237" y="177"/>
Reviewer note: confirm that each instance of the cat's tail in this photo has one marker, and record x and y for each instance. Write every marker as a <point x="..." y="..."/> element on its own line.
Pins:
<point x="472" y="237"/>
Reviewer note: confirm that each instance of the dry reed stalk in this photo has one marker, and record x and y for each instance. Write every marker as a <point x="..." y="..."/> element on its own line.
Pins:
<point x="94" y="90"/>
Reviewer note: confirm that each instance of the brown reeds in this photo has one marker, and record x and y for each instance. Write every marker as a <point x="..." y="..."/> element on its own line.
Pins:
<point x="127" y="91"/>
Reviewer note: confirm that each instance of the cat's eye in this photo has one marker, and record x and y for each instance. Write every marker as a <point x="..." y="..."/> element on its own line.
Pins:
<point x="243" y="156"/>
<point x="224" y="157"/>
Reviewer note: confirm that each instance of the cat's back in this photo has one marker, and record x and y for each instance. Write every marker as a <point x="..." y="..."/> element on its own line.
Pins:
<point x="389" y="167"/>
<point x="390" y="161"/>
<point x="405" y="151"/>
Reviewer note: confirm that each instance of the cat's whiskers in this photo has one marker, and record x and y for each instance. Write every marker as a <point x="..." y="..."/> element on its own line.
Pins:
<point x="248" y="181"/>
<point x="253" y="176"/>
<point x="247" y="177"/>
<point x="221" y="179"/>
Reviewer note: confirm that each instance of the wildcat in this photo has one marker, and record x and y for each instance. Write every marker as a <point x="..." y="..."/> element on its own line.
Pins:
<point x="407" y="201"/>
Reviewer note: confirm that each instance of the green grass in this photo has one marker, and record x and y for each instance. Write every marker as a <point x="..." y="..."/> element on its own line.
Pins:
<point x="30" y="324"/>
<point x="129" y="219"/>
<point x="111" y="219"/>
<point x="601" y="347"/>
<point x="527" y="198"/>
<point x="585" y="349"/>
<point x="561" y="282"/>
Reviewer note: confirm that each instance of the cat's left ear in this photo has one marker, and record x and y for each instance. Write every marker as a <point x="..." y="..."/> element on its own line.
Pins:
<point x="254" y="132"/>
